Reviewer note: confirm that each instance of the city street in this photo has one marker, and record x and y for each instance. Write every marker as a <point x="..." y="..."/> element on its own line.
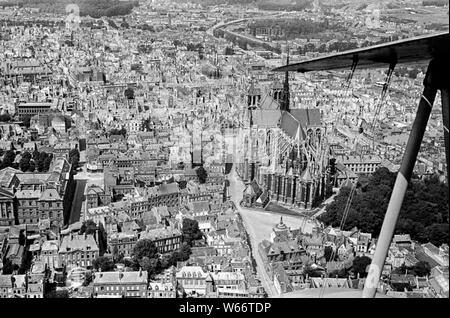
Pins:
<point x="143" y="115"/>
<point x="77" y="202"/>
<point x="259" y="224"/>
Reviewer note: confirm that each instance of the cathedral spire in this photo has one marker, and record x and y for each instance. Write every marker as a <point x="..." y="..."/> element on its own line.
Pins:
<point x="286" y="98"/>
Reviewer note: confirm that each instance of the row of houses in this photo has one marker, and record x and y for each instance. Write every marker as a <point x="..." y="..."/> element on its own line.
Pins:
<point x="289" y="254"/>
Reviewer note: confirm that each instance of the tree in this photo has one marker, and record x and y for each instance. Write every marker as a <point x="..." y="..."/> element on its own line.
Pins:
<point x="184" y="252"/>
<point x="121" y="131"/>
<point x="26" y="154"/>
<point x="129" y="93"/>
<point x="438" y="233"/>
<point x="5" y="117"/>
<point x="132" y="263"/>
<point x="26" y="121"/>
<point x="191" y="231"/>
<point x="360" y="264"/>
<point x="182" y="184"/>
<point x="168" y="260"/>
<point x="8" y="267"/>
<point x="36" y="154"/>
<point x="151" y="265"/>
<point x="89" y="227"/>
<point x="424" y="212"/>
<point x="422" y="269"/>
<point x="24" y="164"/>
<point x="311" y="272"/>
<point x="32" y="166"/>
<point x="8" y="159"/>
<point x="145" y="248"/>
<point x="104" y="263"/>
<point x="117" y="196"/>
<point x="201" y="174"/>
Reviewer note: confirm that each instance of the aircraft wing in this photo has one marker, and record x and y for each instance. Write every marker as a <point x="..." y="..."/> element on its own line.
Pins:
<point x="415" y="49"/>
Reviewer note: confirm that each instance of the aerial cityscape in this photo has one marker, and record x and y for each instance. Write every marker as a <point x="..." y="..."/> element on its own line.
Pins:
<point x="169" y="149"/>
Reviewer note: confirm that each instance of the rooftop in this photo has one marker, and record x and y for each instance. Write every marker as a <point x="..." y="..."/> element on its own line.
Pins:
<point x="72" y="243"/>
<point x="119" y="277"/>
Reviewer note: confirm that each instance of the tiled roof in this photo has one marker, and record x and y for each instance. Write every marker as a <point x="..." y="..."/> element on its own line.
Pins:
<point x="268" y="103"/>
<point x="168" y="188"/>
<point x="137" y="277"/>
<point x="32" y="178"/>
<point x="28" y="194"/>
<point x="50" y="245"/>
<point x="285" y="247"/>
<point x="78" y="242"/>
<point x="5" y="193"/>
<point x="198" y="206"/>
<point x="432" y="248"/>
<point x="160" y="233"/>
<point x="190" y="270"/>
<point x="290" y="125"/>
<point x="402" y="238"/>
<point x="50" y="195"/>
<point x="162" y="211"/>
<point x="307" y="117"/>
<point x="318" y="282"/>
<point x="228" y="276"/>
<point x="6" y="176"/>
<point x="5" y="280"/>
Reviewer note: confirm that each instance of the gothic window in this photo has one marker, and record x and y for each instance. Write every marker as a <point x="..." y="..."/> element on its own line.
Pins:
<point x="310" y="136"/>
<point x="319" y="135"/>
<point x="268" y="142"/>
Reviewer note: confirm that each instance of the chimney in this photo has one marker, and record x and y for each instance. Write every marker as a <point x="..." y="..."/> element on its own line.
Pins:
<point x="71" y="236"/>
<point x="140" y="271"/>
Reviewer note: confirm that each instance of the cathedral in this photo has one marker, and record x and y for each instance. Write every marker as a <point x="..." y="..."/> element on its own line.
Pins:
<point x="284" y="151"/>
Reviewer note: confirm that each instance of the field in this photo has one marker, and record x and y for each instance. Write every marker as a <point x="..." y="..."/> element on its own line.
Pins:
<point x="424" y="15"/>
<point x="93" y="8"/>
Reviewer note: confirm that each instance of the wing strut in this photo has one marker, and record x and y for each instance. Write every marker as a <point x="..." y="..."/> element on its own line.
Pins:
<point x="435" y="79"/>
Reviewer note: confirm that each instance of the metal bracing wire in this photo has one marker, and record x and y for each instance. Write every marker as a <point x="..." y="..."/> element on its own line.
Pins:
<point x="341" y="228"/>
<point x="380" y="103"/>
